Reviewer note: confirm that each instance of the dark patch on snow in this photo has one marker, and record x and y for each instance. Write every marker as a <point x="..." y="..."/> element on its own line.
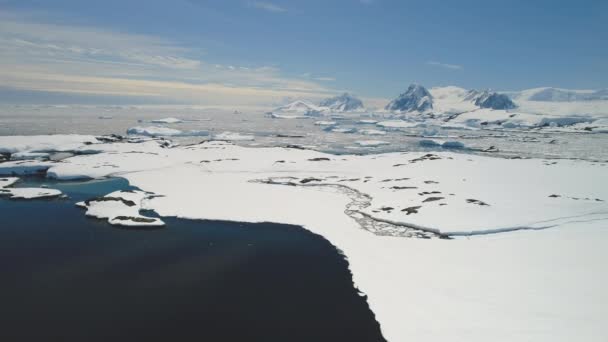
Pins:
<point x="478" y="202"/>
<point x="432" y="199"/>
<point x="494" y="101"/>
<point x="308" y="180"/>
<point x="319" y="159"/>
<point x="428" y="156"/>
<point x="108" y="199"/>
<point x="134" y="219"/>
<point x="429" y="193"/>
<point x="411" y="210"/>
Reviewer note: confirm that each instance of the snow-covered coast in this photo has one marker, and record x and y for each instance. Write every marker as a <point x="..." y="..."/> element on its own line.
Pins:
<point x="540" y="278"/>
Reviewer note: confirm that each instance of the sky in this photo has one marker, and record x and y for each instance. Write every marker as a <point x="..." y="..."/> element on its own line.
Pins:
<point x="263" y="53"/>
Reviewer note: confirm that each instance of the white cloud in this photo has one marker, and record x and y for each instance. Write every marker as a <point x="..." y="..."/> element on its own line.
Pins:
<point x="268" y="6"/>
<point x="317" y="78"/>
<point x="84" y="60"/>
<point x="324" y="79"/>
<point x="445" y="66"/>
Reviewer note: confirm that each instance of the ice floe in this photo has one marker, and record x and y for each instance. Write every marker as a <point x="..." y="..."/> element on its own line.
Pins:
<point x="121" y="208"/>
<point x="325" y="123"/>
<point x="371" y="143"/>
<point x="6" y="189"/>
<point x="154" y="131"/>
<point x="372" y="132"/>
<point x="167" y="121"/>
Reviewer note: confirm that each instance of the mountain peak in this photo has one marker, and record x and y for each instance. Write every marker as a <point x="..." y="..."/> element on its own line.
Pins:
<point x="415" y="98"/>
<point x="342" y="103"/>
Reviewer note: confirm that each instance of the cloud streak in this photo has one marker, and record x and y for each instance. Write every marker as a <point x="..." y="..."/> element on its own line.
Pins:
<point x="83" y="60"/>
<point x="445" y="65"/>
<point x="268" y="6"/>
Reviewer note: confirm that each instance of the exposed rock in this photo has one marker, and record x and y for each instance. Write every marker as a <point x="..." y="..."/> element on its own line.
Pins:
<point x="494" y="101"/>
<point x="432" y="199"/>
<point x="411" y="210"/>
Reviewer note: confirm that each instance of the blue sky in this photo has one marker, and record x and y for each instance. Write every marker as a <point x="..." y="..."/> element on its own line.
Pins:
<point x="263" y="52"/>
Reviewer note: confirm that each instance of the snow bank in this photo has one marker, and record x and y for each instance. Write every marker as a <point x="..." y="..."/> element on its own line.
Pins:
<point x="44" y="143"/>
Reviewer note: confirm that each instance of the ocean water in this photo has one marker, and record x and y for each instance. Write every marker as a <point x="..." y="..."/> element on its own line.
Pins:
<point x="66" y="277"/>
<point x="32" y="120"/>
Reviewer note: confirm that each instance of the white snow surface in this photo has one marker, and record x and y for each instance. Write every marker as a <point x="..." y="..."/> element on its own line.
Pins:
<point x="121" y="208"/>
<point x="542" y="279"/>
<point x="325" y="123"/>
<point x="43" y="143"/>
<point x="573" y="110"/>
<point x="232" y="136"/>
<point x="24" y="193"/>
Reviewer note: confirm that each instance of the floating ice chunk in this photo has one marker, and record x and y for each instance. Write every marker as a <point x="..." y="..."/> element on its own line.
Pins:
<point x="30" y="193"/>
<point x="344" y="130"/>
<point x="398" y="124"/>
<point x="430" y="131"/>
<point x="453" y="145"/>
<point x="444" y="144"/>
<point x="121" y="208"/>
<point x="367" y="122"/>
<point x="429" y="143"/>
<point x="154" y="131"/>
<point x="25" y="167"/>
<point x="371" y="143"/>
<point x="281" y="116"/>
<point x="24" y="193"/>
<point x="29" y="155"/>
<point x="326" y="123"/>
<point x="8" y="181"/>
<point x="232" y="136"/>
<point x="167" y="121"/>
<point x="372" y="132"/>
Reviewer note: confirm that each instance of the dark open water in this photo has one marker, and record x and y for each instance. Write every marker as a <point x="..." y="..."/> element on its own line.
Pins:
<point x="65" y="277"/>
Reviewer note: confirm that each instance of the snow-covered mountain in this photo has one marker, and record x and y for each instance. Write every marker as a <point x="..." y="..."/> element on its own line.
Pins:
<point x="300" y="107"/>
<point x="342" y="103"/>
<point x="415" y="99"/>
<point x="549" y="94"/>
<point x="494" y="100"/>
<point x="547" y="108"/>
